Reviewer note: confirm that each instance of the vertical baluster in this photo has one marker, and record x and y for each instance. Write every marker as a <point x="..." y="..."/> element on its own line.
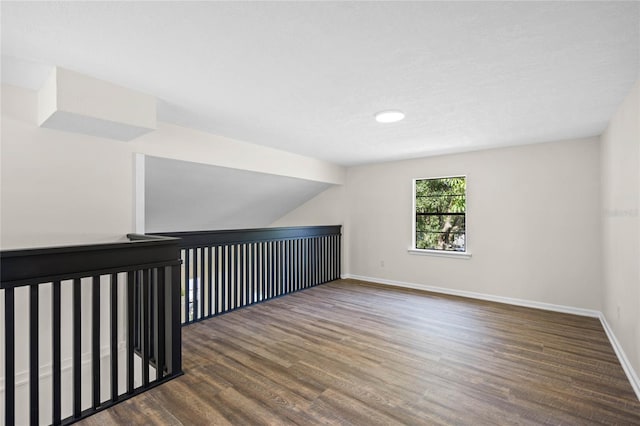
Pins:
<point x="215" y="279"/>
<point x="263" y="267"/>
<point x="77" y="362"/>
<point x="334" y="250"/>
<point x="328" y="258"/>
<point x="270" y="273"/>
<point x="339" y="256"/>
<point x="195" y="300"/>
<point x="223" y="277"/>
<point x="56" y="390"/>
<point x="160" y="320"/>
<point x="303" y="262"/>
<point x="237" y="287"/>
<point x="281" y="265"/>
<point x="210" y="280"/>
<point x="290" y="266"/>
<point x="249" y="272"/>
<point x="203" y="252"/>
<point x="332" y="256"/>
<point x="323" y="258"/>
<point x="312" y="260"/>
<point x="274" y="269"/>
<point x="10" y="357"/>
<point x="173" y="299"/>
<point x="144" y="335"/>
<point x="299" y="261"/>
<point x="131" y="320"/>
<point x="310" y="243"/>
<point x="153" y="324"/>
<point x="34" y="365"/>
<point x="229" y="273"/>
<point x="113" y="316"/>
<point x="254" y="272"/>
<point x="319" y="259"/>
<point x="263" y="270"/>
<point x="309" y="262"/>
<point x="336" y="260"/>
<point x="187" y="277"/>
<point x="246" y="272"/>
<point x="296" y="264"/>
<point x="278" y="282"/>
<point x="284" y="267"/>
<point x="242" y="282"/>
<point x="95" y="340"/>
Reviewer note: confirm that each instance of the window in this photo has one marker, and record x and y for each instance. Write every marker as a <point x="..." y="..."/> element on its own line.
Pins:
<point x="440" y="214"/>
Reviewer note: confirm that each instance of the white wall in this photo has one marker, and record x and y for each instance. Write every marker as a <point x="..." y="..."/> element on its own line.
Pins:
<point x="533" y="222"/>
<point x="327" y="208"/>
<point x="61" y="187"/>
<point x="621" y="225"/>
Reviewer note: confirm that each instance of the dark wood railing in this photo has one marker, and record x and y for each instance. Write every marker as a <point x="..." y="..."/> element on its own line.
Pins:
<point x="136" y="296"/>
<point x="63" y="299"/>
<point x="226" y="270"/>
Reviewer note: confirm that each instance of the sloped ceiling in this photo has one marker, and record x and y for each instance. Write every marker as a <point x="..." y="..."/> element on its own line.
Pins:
<point x="307" y="77"/>
<point x="185" y="196"/>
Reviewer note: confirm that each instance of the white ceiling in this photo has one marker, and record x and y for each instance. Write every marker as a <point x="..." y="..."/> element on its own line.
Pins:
<point x="307" y="77"/>
<point x="185" y="196"/>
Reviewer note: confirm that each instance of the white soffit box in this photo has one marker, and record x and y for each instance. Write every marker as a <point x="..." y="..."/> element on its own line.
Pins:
<point x="78" y="103"/>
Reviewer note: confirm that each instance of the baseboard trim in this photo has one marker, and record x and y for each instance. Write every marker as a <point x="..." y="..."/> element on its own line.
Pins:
<point x="482" y="296"/>
<point x="622" y="358"/>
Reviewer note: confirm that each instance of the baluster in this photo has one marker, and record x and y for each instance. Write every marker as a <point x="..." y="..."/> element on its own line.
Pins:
<point x="77" y="361"/>
<point x="9" y="361"/>
<point x="113" y="316"/>
<point x="56" y="390"/>
<point x="95" y="340"/>
<point x="34" y="365"/>
<point x="131" y="320"/>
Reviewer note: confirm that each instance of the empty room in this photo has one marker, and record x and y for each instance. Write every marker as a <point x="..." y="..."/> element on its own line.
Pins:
<point x="344" y="213"/>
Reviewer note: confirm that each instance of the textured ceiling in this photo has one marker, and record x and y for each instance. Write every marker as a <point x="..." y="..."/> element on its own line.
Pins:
<point x="184" y="196"/>
<point x="307" y="77"/>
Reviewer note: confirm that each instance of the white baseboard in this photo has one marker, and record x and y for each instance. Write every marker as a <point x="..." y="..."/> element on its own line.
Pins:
<point x="624" y="361"/>
<point x="622" y="357"/>
<point x="482" y="296"/>
<point x="46" y="370"/>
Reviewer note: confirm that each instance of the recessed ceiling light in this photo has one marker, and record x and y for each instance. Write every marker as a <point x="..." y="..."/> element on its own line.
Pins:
<point x="389" y="116"/>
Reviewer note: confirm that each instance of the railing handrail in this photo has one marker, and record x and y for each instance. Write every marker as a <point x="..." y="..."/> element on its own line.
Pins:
<point x="21" y="267"/>
<point x="142" y="280"/>
<point x="235" y="236"/>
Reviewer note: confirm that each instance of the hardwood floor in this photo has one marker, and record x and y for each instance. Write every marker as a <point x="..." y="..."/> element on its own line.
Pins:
<point x="353" y="353"/>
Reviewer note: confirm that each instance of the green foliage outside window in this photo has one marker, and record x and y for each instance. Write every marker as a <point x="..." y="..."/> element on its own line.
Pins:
<point x="440" y="214"/>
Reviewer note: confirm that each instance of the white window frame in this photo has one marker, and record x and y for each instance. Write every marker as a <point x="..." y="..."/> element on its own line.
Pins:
<point x="440" y="253"/>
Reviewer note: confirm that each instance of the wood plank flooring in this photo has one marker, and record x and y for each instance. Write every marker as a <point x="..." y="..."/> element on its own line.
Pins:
<point x="355" y="353"/>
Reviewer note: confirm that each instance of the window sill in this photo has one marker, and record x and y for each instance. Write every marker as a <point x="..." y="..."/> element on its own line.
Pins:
<point x="441" y="253"/>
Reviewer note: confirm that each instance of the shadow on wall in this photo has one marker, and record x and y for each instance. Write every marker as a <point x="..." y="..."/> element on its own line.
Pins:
<point x="186" y="196"/>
